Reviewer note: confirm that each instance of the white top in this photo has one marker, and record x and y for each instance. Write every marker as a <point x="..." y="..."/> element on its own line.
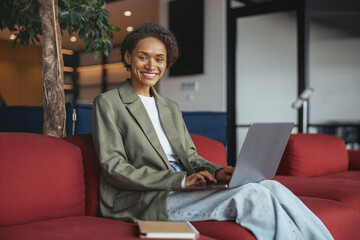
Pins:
<point x="150" y="106"/>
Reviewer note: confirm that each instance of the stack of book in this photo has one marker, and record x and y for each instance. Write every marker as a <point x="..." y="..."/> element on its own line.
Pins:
<point x="169" y="230"/>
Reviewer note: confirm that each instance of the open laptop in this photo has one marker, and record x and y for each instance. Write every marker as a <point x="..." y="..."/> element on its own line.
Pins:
<point x="259" y="157"/>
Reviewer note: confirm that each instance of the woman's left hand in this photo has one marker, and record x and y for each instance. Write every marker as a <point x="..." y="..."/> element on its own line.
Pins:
<point x="224" y="174"/>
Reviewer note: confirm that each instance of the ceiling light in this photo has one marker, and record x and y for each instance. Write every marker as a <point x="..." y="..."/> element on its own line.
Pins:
<point x="12" y="37"/>
<point x="73" y="39"/>
<point x="127" y="13"/>
<point x="129" y="29"/>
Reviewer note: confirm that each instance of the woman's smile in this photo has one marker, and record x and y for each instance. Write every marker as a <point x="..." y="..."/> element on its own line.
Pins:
<point x="149" y="75"/>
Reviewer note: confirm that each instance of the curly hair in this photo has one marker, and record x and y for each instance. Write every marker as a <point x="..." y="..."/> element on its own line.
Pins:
<point x="155" y="31"/>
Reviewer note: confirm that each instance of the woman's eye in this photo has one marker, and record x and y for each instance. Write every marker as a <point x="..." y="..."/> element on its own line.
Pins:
<point x="160" y="60"/>
<point x="142" y="58"/>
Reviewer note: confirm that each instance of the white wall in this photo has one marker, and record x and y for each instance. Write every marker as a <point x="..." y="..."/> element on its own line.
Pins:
<point x="211" y="94"/>
<point x="266" y="70"/>
<point x="335" y="76"/>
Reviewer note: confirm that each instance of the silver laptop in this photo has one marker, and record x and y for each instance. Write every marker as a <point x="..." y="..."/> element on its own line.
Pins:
<point x="259" y="157"/>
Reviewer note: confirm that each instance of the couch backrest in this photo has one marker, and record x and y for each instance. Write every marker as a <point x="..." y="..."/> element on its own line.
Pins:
<point x="41" y="177"/>
<point x="92" y="171"/>
<point x="29" y="119"/>
<point x="313" y="154"/>
<point x="208" y="148"/>
<point x="209" y="124"/>
<point x="83" y="123"/>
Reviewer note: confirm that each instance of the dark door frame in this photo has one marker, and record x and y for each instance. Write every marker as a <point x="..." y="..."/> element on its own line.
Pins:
<point x="250" y="9"/>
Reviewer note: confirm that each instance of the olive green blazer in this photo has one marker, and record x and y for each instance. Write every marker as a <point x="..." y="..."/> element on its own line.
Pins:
<point x="136" y="175"/>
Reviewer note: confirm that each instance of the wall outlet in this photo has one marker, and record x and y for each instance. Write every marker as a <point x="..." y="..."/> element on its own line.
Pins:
<point x="190" y="86"/>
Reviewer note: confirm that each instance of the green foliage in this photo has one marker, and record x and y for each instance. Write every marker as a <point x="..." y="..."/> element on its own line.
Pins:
<point x="88" y="18"/>
<point x="21" y="17"/>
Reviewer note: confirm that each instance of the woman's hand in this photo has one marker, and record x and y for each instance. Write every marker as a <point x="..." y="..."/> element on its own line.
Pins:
<point x="224" y="174"/>
<point x="199" y="178"/>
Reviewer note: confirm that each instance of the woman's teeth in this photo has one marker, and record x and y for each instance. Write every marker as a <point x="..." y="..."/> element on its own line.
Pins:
<point x="149" y="75"/>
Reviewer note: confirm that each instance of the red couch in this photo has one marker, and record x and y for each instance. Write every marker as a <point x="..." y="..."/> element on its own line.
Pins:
<point x="49" y="187"/>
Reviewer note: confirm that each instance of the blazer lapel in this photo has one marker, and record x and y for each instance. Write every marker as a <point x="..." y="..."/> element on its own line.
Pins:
<point x="169" y="128"/>
<point x="136" y="108"/>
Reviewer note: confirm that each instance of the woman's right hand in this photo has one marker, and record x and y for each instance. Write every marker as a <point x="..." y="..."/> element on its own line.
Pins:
<point x="199" y="179"/>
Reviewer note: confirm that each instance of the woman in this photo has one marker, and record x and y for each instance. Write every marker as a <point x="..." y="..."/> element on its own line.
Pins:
<point x="145" y="151"/>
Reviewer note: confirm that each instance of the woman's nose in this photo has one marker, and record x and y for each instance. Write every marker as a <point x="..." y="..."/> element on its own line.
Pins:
<point x="151" y="65"/>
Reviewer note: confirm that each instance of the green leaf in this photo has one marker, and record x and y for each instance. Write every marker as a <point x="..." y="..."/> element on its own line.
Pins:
<point x="81" y="33"/>
<point x="79" y="16"/>
<point x="115" y="29"/>
<point x="13" y="45"/>
<point x="105" y="12"/>
<point x="107" y="51"/>
<point x="31" y="31"/>
<point x="103" y="5"/>
<point x="29" y="16"/>
<point x="109" y="44"/>
<point x="70" y="31"/>
<point x="72" y="17"/>
<point x="69" y="3"/>
<point x="91" y="14"/>
<point x="64" y="14"/>
<point x="96" y="54"/>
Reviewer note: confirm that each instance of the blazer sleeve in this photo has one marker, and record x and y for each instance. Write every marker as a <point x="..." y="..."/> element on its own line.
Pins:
<point x="114" y="163"/>
<point x="198" y="163"/>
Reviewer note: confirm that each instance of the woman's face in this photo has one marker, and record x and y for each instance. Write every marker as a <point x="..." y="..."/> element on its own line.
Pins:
<point x="148" y="64"/>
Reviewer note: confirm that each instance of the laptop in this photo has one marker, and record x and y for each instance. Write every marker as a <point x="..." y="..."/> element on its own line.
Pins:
<point x="259" y="157"/>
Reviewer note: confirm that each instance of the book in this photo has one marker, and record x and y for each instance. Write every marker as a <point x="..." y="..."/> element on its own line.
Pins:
<point x="169" y="230"/>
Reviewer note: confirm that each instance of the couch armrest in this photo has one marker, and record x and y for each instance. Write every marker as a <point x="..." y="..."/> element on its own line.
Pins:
<point x="354" y="159"/>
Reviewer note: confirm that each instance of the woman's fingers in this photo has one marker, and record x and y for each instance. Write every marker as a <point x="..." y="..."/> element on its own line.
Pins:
<point x="199" y="178"/>
<point x="224" y="174"/>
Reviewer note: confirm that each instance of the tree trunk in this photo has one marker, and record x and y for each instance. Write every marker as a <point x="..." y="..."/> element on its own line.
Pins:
<point x="53" y="76"/>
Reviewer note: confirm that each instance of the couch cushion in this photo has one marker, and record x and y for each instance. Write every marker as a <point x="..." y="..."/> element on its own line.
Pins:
<point x="342" y="221"/>
<point x="92" y="172"/>
<point x="354" y="159"/>
<point x="350" y="175"/>
<point x="313" y="154"/>
<point x="41" y="177"/>
<point x="210" y="149"/>
<point x="81" y="227"/>
<point x="341" y="190"/>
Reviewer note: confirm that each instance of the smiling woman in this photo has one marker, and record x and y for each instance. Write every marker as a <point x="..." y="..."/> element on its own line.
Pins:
<point x="145" y="152"/>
